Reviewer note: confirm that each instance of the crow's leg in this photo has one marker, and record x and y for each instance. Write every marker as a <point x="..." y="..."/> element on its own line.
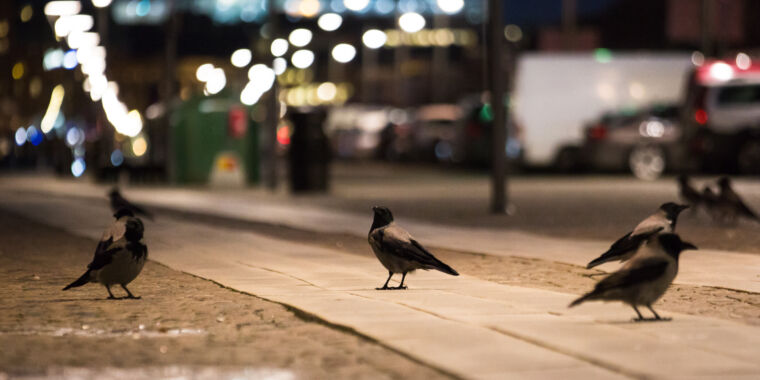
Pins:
<point x="129" y="294"/>
<point x="641" y="317"/>
<point x="401" y="286"/>
<point x="656" y="316"/>
<point x="385" y="286"/>
<point x="110" y="295"/>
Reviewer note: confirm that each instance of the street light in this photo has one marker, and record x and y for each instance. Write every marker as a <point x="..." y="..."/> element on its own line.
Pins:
<point x="356" y="5"/>
<point x="279" y="47"/>
<point x="302" y="58"/>
<point x="374" y="38"/>
<point x="330" y="21"/>
<point x="241" y="57"/>
<point x="343" y="53"/>
<point x="411" y="22"/>
<point x="450" y="6"/>
<point x="300" y="37"/>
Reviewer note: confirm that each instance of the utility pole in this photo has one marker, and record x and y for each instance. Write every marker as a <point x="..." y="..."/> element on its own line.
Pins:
<point x="707" y="28"/>
<point x="497" y="87"/>
<point x="569" y="23"/>
<point x="273" y="112"/>
<point x="167" y="93"/>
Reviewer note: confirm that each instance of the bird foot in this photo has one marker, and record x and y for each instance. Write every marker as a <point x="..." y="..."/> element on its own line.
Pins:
<point x="131" y="297"/>
<point x="652" y="319"/>
<point x="400" y="287"/>
<point x="113" y="298"/>
<point x="383" y="288"/>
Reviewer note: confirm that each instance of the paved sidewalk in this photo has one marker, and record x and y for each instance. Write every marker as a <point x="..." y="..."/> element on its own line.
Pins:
<point x="705" y="267"/>
<point x="465" y="326"/>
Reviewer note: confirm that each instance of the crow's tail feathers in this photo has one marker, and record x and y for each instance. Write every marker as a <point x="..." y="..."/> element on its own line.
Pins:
<point x="580" y="300"/>
<point x="446" y="269"/>
<point x="85" y="278"/>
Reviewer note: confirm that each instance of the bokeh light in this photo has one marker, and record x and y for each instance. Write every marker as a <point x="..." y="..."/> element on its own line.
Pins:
<point x="279" y="47"/>
<point x="411" y="22"/>
<point x="343" y="53"/>
<point x="78" y="167"/>
<point x="330" y="21"/>
<point x="117" y="158"/>
<point x="374" y="38"/>
<point x="241" y="57"/>
<point x="300" y="37"/>
<point x="356" y="5"/>
<point x="302" y="58"/>
<point x="450" y="6"/>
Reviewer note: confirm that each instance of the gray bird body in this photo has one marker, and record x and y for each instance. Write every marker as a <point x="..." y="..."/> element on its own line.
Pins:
<point x="662" y="221"/>
<point x="732" y="204"/>
<point x="644" y="278"/>
<point x="119" y="257"/>
<point x="395" y="248"/>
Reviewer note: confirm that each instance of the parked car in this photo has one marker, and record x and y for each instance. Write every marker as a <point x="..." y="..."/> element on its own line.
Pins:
<point x="643" y="141"/>
<point x="721" y="117"/>
<point x="358" y="131"/>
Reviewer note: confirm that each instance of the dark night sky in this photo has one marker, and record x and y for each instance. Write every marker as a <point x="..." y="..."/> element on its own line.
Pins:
<point x="540" y="12"/>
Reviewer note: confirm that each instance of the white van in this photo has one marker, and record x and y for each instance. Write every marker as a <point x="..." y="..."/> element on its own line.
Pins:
<point x="555" y="94"/>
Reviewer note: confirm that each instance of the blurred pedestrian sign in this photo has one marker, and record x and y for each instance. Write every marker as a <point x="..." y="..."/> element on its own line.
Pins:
<point x="237" y="122"/>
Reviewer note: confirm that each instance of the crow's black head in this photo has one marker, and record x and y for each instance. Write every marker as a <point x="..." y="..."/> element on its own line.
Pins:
<point x="673" y="245"/>
<point x="134" y="230"/>
<point x="724" y="182"/>
<point x="114" y="192"/>
<point x="683" y="179"/>
<point x="383" y="216"/>
<point x="672" y="209"/>
<point x="123" y="212"/>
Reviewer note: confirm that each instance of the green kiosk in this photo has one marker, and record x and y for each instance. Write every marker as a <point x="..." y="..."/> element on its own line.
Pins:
<point x="215" y="142"/>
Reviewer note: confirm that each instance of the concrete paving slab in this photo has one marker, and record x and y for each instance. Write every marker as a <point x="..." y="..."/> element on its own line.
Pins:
<point x="468" y="327"/>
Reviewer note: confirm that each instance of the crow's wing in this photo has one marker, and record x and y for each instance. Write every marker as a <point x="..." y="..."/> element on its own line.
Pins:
<point x="104" y="254"/>
<point x="396" y="241"/>
<point x="648" y="269"/>
<point x="734" y="198"/>
<point x="623" y="246"/>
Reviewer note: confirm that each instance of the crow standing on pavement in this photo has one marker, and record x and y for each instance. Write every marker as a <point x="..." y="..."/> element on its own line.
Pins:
<point x="662" y="221"/>
<point x="643" y="279"/>
<point x="118" y="202"/>
<point x="689" y="194"/>
<point x="398" y="251"/>
<point x="730" y="201"/>
<point x="119" y="257"/>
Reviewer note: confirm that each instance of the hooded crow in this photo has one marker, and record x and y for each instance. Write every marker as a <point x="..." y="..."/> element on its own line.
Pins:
<point x="398" y="251"/>
<point x="688" y="194"/>
<point x="730" y="201"/>
<point x="118" y="202"/>
<point x="120" y="255"/>
<point x="664" y="220"/>
<point x="643" y="279"/>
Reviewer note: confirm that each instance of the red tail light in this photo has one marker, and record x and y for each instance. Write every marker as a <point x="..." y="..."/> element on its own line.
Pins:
<point x="700" y="116"/>
<point x="598" y="132"/>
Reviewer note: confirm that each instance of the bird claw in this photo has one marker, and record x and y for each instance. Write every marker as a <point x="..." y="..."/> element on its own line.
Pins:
<point x="133" y="297"/>
<point x="400" y="287"/>
<point x="652" y="319"/>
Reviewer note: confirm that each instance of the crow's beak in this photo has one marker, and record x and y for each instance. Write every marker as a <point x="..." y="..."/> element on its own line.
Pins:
<point x="682" y="207"/>
<point x="689" y="246"/>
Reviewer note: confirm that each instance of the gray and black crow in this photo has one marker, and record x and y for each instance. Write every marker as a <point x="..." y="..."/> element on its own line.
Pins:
<point x="398" y="251"/>
<point x="120" y="255"/>
<point x="732" y="203"/>
<point x="644" y="278"/>
<point x="689" y="194"/>
<point x="118" y="202"/>
<point x="662" y="221"/>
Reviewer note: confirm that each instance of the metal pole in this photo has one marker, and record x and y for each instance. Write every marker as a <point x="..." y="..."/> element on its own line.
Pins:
<point x="170" y="69"/>
<point x="569" y="23"/>
<point x="707" y="28"/>
<point x="273" y="113"/>
<point x="440" y="62"/>
<point x="497" y="87"/>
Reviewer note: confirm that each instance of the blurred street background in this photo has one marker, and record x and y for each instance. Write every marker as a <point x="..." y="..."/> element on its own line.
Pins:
<point x="515" y="139"/>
